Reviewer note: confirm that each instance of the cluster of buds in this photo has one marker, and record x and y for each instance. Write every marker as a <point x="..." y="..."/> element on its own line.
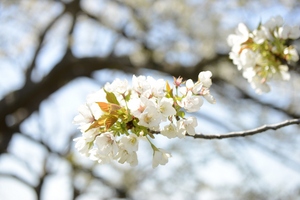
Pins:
<point x="114" y="118"/>
<point x="263" y="54"/>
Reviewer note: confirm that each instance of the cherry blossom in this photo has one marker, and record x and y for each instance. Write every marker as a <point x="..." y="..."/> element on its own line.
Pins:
<point x="191" y="102"/>
<point x="165" y="107"/>
<point x="129" y="143"/>
<point x="171" y="131"/>
<point x="82" y="145"/>
<point x="124" y="156"/>
<point x="160" y="157"/>
<point x="262" y="53"/>
<point x="114" y="118"/>
<point x="187" y="125"/>
<point x="150" y="118"/>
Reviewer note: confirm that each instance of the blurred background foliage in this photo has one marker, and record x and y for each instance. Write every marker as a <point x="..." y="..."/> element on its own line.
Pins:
<point x="55" y="52"/>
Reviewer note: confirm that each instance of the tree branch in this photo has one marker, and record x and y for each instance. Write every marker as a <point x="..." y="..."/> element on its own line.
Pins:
<point x="40" y="43"/>
<point x="248" y="132"/>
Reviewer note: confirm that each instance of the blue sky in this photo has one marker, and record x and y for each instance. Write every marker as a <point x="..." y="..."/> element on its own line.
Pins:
<point x="58" y="111"/>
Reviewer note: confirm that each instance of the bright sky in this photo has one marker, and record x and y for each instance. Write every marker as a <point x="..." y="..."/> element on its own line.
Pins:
<point x="61" y="107"/>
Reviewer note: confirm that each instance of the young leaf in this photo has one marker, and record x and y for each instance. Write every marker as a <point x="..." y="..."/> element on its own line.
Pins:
<point x="105" y="107"/>
<point x="114" y="108"/>
<point x="110" y="120"/>
<point x="111" y="97"/>
<point x="98" y="123"/>
<point x="109" y="107"/>
<point x="169" y="89"/>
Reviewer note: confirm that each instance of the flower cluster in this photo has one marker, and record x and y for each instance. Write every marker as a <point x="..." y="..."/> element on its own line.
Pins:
<point x="114" y="118"/>
<point x="263" y="53"/>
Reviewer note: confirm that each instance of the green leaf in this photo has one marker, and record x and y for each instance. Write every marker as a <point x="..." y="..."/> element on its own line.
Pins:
<point x="111" y="97"/>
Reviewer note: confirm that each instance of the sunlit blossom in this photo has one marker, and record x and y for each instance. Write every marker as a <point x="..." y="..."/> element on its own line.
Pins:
<point x="114" y="118"/>
<point x="263" y="54"/>
<point x="160" y="157"/>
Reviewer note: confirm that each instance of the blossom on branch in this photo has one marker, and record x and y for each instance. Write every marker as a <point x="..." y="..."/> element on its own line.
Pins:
<point x="264" y="54"/>
<point x="160" y="157"/>
<point x="114" y="118"/>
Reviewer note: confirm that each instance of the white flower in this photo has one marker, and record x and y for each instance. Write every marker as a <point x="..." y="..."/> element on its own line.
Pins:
<point x="249" y="73"/>
<point x="294" y="33"/>
<point x="171" y="131"/>
<point x="260" y="35"/>
<point x="191" y="102"/>
<point x="82" y="146"/>
<point x="141" y="85"/>
<point x="106" y="148"/>
<point x="248" y="58"/>
<point x="165" y="107"/>
<point x="292" y="53"/>
<point x="149" y="106"/>
<point x="138" y="105"/>
<point x="157" y="86"/>
<point x="261" y="64"/>
<point x="282" y="32"/>
<point x="150" y="118"/>
<point x="235" y="57"/>
<point x="241" y="36"/>
<point x="189" y="84"/>
<point x="205" y="78"/>
<point x="284" y="72"/>
<point x="203" y="83"/>
<point x="88" y="134"/>
<point x="148" y="86"/>
<point x="99" y="96"/>
<point x="187" y="125"/>
<point x="206" y="94"/>
<point x="198" y="87"/>
<point x="183" y="90"/>
<point x="124" y="156"/>
<point x="117" y="86"/>
<point x="129" y="143"/>
<point x="256" y="82"/>
<point x="160" y="157"/>
<point x="85" y="115"/>
<point x="288" y="32"/>
<point x="100" y="158"/>
<point x="84" y="120"/>
<point x="274" y="22"/>
<point x="259" y="86"/>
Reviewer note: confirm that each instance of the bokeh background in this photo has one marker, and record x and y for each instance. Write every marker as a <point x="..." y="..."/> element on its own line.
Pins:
<point x="53" y="53"/>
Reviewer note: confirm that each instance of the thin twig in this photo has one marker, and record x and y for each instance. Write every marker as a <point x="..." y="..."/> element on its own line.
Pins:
<point x="248" y="132"/>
